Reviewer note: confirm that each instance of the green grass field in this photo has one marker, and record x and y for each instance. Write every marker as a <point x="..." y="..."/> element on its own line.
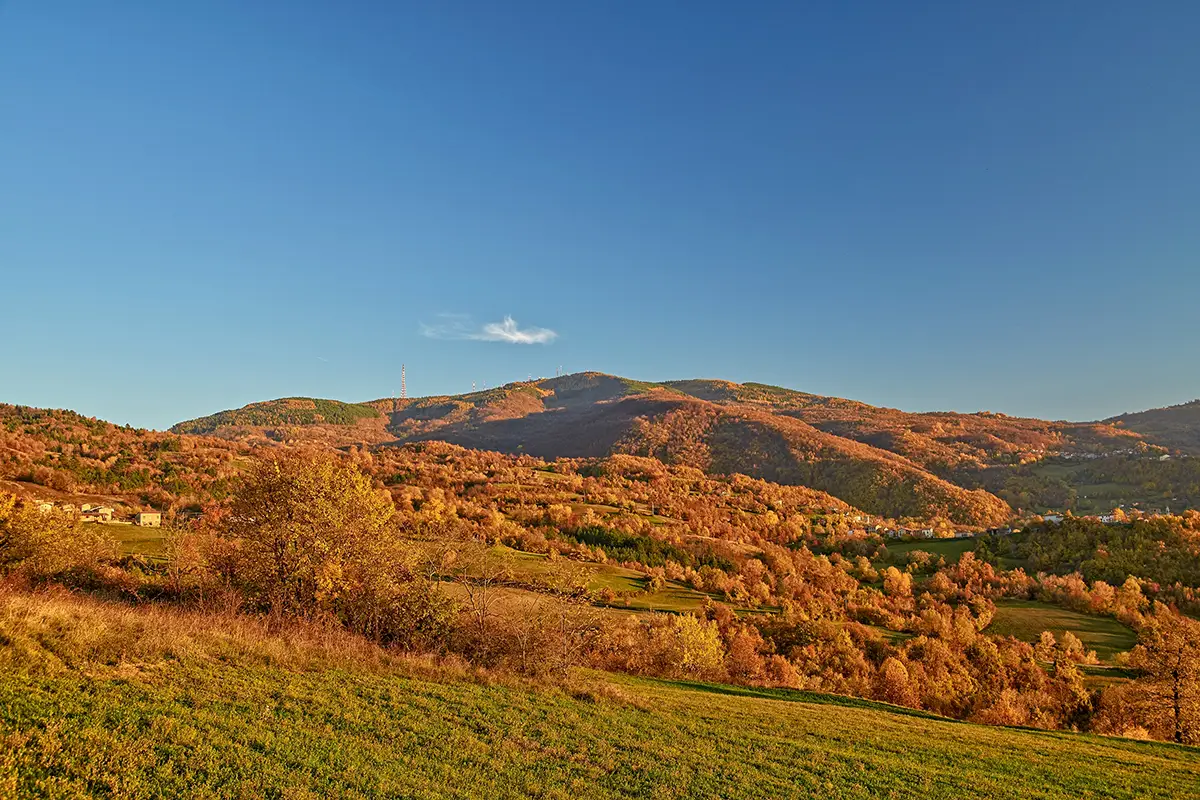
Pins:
<point x="629" y="584"/>
<point x="950" y="549"/>
<point x="88" y="708"/>
<point x="674" y="596"/>
<point x="148" y="542"/>
<point x="1026" y="619"/>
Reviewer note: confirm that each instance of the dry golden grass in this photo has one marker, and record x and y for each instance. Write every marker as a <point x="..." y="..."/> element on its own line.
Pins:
<point x="53" y="629"/>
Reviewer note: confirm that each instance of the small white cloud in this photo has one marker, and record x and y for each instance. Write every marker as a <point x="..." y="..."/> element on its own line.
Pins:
<point x="508" y="331"/>
<point x="458" y="326"/>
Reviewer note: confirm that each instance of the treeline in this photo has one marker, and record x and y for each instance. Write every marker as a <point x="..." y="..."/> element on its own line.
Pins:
<point x="1162" y="550"/>
<point x="643" y="550"/>
<point x="286" y="411"/>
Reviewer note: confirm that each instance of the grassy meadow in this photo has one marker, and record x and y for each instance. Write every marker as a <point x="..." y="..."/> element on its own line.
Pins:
<point x="101" y="700"/>
<point x="950" y="549"/>
<point x="135" y="540"/>
<point x="628" y="584"/>
<point x="1026" y="619"/>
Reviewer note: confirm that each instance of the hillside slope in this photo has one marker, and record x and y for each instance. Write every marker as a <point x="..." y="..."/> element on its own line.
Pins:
<point x="101" y="700"/>
<point x="786" y="450"/>
<point x="547" y="422"/>
<point x="941" y="441"/>
<point x="882" y="460"/>
<point x="64" y="456"/>
<point x="1173" y="427"/>
<point x="294" y="418"/>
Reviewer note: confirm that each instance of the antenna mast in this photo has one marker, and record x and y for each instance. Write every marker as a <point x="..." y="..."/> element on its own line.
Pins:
<point x="403" y="387"/>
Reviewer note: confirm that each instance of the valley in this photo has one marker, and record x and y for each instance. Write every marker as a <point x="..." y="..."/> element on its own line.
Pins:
<point x="808" y="579"/>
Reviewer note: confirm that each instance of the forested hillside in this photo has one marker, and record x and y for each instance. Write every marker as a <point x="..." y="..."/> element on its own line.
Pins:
<point x="61" y="454"/>
<point x="294" y="419"/>
<point x="975" y="469"/>
<point x="625" y="564"/>
<point x="1174" y="427"/>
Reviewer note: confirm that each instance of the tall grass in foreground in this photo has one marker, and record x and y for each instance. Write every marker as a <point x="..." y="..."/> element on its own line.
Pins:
<point x="53" y="630"/>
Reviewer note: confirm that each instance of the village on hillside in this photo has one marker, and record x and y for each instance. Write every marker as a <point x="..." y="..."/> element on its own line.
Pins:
<point x="96" y="513"/>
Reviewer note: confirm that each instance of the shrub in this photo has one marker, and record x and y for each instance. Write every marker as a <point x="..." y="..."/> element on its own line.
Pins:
<point x="309" y="536"/>
<point x="43" y="545"/>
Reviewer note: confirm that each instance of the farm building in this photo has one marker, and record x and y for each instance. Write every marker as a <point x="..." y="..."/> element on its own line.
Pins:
<point x="96" y="513"/>
<point x="148" y="519"/>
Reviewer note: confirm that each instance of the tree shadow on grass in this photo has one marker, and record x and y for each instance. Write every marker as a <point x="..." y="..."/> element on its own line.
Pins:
<point x="817" y="698"/>
<point x="797" y="696"/>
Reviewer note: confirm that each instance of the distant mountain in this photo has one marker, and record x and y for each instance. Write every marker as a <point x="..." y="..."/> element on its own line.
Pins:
<point x="715" y="426"/>
<point x="944" y="442"/>
<point x="1173" y="427"/>
<point x="881" y="460"/>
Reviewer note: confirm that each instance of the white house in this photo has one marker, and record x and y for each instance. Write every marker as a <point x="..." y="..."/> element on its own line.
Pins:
<point x="96" y="513"/>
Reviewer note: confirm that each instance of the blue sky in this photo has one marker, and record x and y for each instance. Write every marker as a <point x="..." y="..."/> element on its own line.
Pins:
<point x="968" y="206"/>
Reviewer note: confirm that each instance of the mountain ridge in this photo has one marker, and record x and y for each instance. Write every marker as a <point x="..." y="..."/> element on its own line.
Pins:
<point x="884" y="460"/>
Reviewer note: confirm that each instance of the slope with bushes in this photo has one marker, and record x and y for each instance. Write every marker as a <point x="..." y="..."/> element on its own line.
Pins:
<point x="101" y="700"/>
<point x="1174" y="427"/>
<point x="65" y="457"/>
<point x="294" y="418"/>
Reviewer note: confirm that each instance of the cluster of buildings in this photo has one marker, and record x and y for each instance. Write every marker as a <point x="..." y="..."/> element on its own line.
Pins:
<point x="1107" y="519"/>
<point x="930" y="533"/>
<point x="1086" y="456"/>
<point x="922" y="533"/>
<point x="94" y="512"/>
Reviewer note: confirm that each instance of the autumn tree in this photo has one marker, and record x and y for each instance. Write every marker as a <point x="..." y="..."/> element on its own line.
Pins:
<point x="547" y="633"/>
<point x="690" y="647"/>
<point x="893" y="685"/>
<point x="49" y="544"/>
<point x="1168" y="657"/>
<point x="314" y="538"/>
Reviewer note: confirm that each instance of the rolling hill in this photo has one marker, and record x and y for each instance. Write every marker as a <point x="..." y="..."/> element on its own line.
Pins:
<point x="1173" y="427"/>
<point x="294" y="418"/>
<point x="882" y="460"/>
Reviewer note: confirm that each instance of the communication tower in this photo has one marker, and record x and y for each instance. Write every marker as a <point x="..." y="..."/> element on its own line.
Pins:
<point x="403" y="387"/>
